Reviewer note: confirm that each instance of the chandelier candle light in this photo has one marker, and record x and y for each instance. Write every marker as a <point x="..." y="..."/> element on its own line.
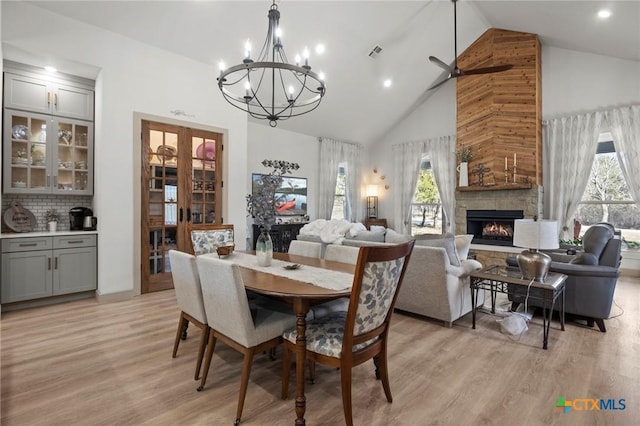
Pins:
<point x="269" y="87"/>
<point x="535" y="235"/>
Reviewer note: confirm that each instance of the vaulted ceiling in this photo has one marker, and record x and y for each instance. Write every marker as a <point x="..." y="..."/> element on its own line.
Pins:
<point x="357" y="107"/>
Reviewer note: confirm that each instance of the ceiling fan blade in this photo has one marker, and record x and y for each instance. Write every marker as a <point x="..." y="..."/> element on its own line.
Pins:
<point x="439" y="63"/>
<point x="441" y="82"/>
<point x="487" y="70"/>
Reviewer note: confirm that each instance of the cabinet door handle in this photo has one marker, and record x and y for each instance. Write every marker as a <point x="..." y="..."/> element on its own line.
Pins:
<point x="48" y="98"/>
<point x="74" y="242"/>
<point x="55" y="263"/>
<point x="55" y="100"/>
<point x="188" y="214"/>
<point x="48" y="180"/>
<point x="181" y="214"/>
<point x="49" y="263"/>
<point x="28" y="244"/>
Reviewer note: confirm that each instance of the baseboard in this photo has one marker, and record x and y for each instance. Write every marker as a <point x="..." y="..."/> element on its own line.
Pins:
<point x="627" y="272"/>
<point x="119" y="296"/>
<point x="54" y="300"/>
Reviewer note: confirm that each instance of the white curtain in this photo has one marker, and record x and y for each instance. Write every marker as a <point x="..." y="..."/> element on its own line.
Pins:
<point x="570" y="145"/>
<point x="442" y="152"/>
<point x="352" y="155"/>
<point x="407" y="159"/>
<point x="625" y="129"/>
<point x="332" y="153"/>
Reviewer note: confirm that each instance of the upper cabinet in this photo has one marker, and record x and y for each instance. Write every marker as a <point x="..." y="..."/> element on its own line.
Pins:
<point x="47" y="133"/>
<point x="32" y="94"/>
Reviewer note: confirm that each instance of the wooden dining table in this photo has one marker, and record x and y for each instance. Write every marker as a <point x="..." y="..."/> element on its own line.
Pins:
<point x="301" y="296"/>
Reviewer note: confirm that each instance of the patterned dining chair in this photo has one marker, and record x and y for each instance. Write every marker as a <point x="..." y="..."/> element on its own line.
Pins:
<point x="347" y="339"/>
<point x="208" y="240"/>
<point x="305" y="248"/>
<point x="249" y="331"/>
<point x="186" y="283"/>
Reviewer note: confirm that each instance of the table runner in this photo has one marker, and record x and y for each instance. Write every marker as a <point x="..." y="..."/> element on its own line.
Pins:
<point x="326" y="278"/>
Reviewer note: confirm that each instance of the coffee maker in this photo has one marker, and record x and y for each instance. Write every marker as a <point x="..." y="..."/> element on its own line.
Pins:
<point x="82" y="219"/>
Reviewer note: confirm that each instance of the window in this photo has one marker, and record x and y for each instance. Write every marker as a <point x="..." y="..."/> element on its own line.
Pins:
<point x="339" y="210"/>
<point x="426" y="208"/>
<point x="607" y="198"/>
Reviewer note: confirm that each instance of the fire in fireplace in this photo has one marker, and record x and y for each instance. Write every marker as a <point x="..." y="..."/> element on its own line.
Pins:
<point x="493" y="227"/>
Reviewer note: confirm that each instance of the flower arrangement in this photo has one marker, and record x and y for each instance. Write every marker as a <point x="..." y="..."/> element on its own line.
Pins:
<point x="262" y="205"/>
<point x="464" y="154"/>
<point x="51" y="216"/>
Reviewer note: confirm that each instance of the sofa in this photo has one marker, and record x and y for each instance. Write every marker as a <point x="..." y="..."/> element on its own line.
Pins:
<point x="436" y="283"/>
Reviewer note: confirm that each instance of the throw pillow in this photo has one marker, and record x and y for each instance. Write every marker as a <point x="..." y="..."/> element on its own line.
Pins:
<point x="447" y="242"/>
<point x="462" y="245"/>
<point x="377" y="228"/>
<point x="370" y="236"/>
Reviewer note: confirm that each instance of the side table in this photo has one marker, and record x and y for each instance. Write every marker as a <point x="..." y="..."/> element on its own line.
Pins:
<point x="374" y="221"/>
<point x="498" y="279"/>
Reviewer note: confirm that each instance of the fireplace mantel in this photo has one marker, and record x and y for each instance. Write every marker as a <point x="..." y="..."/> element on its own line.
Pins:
<point x="504" y="187"/>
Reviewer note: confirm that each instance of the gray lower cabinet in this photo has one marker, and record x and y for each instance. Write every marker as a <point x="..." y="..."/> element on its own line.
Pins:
<point x="38" y="267"/>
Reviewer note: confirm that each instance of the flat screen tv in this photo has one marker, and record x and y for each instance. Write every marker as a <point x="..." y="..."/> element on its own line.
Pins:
<point x="291" y="197"/>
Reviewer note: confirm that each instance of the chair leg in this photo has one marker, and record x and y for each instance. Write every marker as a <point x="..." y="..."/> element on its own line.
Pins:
<point x="312" y="370"/>
<point x="375" y="364"/>
<point x="286" y="370"/>
<point x="203" y="344"/>
<point x="246" y="372"/>
<point x="601" y="326"/>
<point x="384" y="373"/>
<point x="514" y="306"/>
<point x="345" y="381"/>
<point x="207" y="362"/>
<point x="181" y="321"/>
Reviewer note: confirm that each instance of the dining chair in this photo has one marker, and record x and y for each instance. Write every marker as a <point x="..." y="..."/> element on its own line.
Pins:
<point x="209" y="239"/>
<point x="186" y="283"/>
<point x="340" y="253"/>
<point x="305" y="248"/>
<point x="347" y="339"/>
<point x="249" y="331"/>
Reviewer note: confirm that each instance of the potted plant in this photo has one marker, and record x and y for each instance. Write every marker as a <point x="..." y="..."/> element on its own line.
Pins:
<point x="464" y="154"/>
<point x="52" y="217"/>
<point x="262" y="206"/>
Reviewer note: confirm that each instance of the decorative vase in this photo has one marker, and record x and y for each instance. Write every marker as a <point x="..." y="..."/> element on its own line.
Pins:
<point x="264" y="248"/>
<point x="53" y="226"/>
<point x="463" y="169"/>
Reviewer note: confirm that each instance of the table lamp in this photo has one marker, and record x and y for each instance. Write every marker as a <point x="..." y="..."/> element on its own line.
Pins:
<point x="372" y="201"/>
<point x="535" y="235"/>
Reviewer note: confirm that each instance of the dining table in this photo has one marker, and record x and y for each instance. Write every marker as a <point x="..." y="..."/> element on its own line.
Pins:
<point x="300" y="292"/>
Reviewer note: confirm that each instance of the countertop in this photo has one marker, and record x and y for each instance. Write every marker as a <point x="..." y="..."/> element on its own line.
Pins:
<point x="45" y="234"/>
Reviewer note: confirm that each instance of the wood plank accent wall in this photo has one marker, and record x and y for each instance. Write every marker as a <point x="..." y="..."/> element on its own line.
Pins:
<point x="500" y="114"/>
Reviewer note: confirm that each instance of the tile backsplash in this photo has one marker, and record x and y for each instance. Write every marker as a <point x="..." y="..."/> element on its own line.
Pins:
<point x="39" y="204"/>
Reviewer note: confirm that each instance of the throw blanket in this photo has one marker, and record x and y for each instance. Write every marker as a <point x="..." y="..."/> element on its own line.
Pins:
<point x="332" y="231"/>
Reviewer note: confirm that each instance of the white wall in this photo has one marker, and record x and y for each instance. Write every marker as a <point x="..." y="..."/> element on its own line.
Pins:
<point x="133" y="78"/>
<point x="272" y="143"/>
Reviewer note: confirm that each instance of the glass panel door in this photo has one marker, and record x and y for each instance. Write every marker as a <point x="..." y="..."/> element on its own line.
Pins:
<point x="73" y="156"/>
<point x="203" y="180"/>
<point x="28" y="150"/>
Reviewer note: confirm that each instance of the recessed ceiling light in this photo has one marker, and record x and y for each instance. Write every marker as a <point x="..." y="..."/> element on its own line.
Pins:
<point x="387" y="83"/>
<point x="320" y="49"/>
<point x="50" y="68"/>
<point x="604" y="14"/>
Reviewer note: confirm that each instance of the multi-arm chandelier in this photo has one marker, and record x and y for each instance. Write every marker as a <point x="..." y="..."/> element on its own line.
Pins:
<point x="269" y="87"/>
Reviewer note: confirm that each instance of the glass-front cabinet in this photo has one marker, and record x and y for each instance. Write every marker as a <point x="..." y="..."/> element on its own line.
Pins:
<point x="47" y="154"/>
<point x="181" y="192"/>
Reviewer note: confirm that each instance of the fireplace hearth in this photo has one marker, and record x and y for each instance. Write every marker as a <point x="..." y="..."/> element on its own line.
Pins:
<point x="493" y="227"/>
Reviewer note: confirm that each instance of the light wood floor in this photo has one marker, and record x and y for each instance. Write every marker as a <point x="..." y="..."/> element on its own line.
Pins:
<point x="84" y="363"/>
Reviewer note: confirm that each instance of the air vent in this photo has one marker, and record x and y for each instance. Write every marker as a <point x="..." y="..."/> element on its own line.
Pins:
<point x="375" y="51"/>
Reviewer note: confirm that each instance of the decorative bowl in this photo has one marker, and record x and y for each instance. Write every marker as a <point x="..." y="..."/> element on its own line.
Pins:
<point x="20" y="131"/>
<point x="225" y="250"/>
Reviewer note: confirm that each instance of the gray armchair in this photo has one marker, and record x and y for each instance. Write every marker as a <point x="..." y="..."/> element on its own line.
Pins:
<point x="592" y="276"/>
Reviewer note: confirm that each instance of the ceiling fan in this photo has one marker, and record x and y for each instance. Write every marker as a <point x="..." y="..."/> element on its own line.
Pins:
<point x="454" y="71"/>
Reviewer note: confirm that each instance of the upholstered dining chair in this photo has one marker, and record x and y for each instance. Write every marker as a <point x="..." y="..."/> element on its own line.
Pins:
<point x="186" y="283"/>
<point x="208" y="240"/>
<point x="347" y="339"/>
<point x="340" y="253"/>
<point x="231" y="319"/>
<point x="305" y="248"/>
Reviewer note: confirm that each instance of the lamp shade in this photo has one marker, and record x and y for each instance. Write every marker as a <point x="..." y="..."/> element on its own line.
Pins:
<point x="535" y="234"/>
<point x="372" y="190"/>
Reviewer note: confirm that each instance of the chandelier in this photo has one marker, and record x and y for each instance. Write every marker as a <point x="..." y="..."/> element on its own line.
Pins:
<point x="269" y="87"/>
